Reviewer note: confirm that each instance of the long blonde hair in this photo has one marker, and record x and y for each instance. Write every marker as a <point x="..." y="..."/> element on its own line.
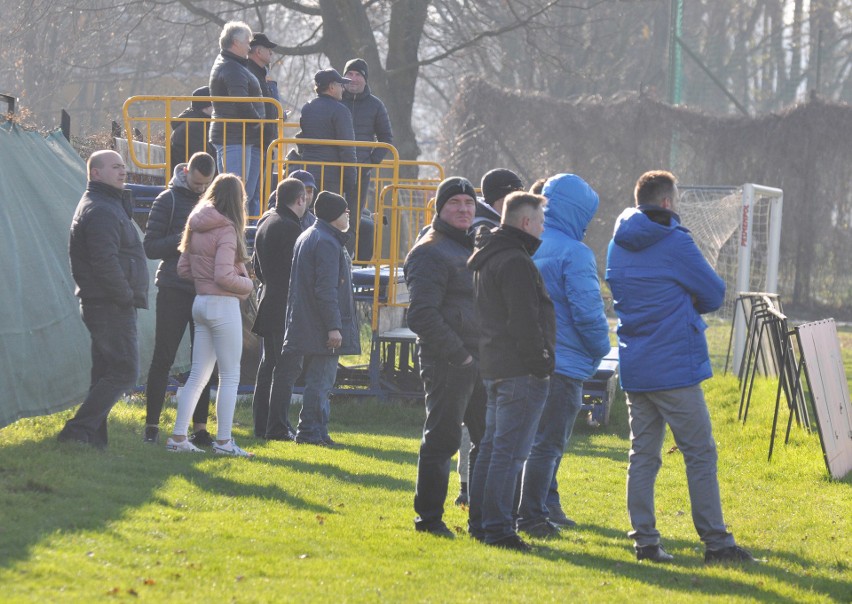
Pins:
<point x="228" y="195"/>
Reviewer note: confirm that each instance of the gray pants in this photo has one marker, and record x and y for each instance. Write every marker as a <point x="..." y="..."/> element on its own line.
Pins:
<point x="685" y="411"/>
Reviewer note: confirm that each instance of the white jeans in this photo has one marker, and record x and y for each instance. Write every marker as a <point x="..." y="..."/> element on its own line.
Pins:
<point x="218" y="338"/>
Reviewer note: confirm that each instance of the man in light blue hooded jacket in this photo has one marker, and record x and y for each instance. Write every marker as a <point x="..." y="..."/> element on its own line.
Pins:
<point x="661" y="285"/>
<point x="570" y="274"/>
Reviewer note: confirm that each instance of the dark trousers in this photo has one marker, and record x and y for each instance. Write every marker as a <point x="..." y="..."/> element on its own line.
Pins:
<point x="115" y="365"/>
<point x="450" y="399"/>
<point x="288" y="368"/>
<point x="174" y="313"/>
<point x="270" y="415"/>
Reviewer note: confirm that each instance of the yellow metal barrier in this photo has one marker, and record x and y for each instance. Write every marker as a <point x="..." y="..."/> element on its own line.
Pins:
<point x="152" y="115"/>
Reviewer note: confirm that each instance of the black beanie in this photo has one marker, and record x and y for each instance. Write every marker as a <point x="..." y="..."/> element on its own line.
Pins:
<point x="203" y="91"/>
<point x="329" y="206"/>
<point x="455" y="185"/>
<point x="498" y="183"/>
<point x="359" y="65"/>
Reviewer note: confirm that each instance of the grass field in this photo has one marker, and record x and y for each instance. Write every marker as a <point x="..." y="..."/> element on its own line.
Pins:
<point x="308" y="524"/>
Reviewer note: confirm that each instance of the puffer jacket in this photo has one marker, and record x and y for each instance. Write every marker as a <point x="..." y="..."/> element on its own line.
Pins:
<point x="515" y="312"/>
<point x="661" y="285"/>
<point x="211" y="260"/>
<point x="440" y="285"/>
<point x="320" y="298"/>
<point x="166" y="220"/>
<point x="371" y="123"/>
<point x="107" y="260"/>
<point x="570" y="274"/>
<point x="326" y="118"/>
<point x="231" y="77"/>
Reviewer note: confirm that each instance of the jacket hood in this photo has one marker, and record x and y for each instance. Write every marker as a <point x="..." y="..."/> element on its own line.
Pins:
<point x="179" y="177"/>
<point x="571" y="204"/>
<point x="643" y="226"/>
<point x="502" y="239"/>
<point x="206" y="218"/>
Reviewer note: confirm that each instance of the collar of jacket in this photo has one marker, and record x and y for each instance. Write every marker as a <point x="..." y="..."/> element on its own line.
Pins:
<point x="286" y="212"/>
<point x="338" y="234"/>
<point x="257" y="70"/>
<point x="123" y="196"/>
<point x="459" y="236"/>
<point x="659" y="215"/>
<point x="348" y="96"/>
<point x="229" y="55"/>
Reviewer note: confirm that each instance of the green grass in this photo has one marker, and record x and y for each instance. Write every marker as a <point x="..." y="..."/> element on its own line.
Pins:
<point x="309" y="524"/>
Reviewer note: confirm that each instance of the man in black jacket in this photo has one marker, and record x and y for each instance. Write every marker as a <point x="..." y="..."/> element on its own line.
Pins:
<point x="516" y="359"/>
<point x="260" y="56"/>
<point x="190" y="137"/>
<point x="321" y="319"/>
<point x="442" y="314"/>
<point x="236" y="144"/>
<point x="371" y="123"/>
<point x="110" y="270"/>
<point x="326" y="118"/>
<point x="175" y="296"/>
<point x="277" y="232"/>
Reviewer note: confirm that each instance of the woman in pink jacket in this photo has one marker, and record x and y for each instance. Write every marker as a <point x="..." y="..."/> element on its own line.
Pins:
<point x="213" y="255"/>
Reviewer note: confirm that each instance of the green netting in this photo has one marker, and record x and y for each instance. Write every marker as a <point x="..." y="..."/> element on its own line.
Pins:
<point x="45" y="356"/>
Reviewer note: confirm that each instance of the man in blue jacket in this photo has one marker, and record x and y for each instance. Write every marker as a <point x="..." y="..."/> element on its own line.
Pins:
<point x="661" y="285"/>
<point x="569" y="271"/>
<point x="109" y="267"/>
<point x="321" y="320"/>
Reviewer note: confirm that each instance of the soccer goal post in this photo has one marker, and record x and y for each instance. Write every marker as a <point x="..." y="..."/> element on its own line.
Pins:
<point x="738" y="229"/>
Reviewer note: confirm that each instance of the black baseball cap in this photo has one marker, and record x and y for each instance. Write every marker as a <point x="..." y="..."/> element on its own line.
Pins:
<point x="324" y="77"/>
<point x="262" y="40"/>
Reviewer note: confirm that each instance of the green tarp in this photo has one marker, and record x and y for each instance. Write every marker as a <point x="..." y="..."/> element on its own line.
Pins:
<point x="45" y="356"/>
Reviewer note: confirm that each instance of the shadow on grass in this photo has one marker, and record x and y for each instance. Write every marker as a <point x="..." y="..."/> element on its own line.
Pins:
<point x="328" y="470"/>
<point x="674" y="575"/>
<point x="47" y="487"/>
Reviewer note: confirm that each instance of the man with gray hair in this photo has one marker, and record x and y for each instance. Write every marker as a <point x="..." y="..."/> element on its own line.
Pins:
<point x="237" y="145"/>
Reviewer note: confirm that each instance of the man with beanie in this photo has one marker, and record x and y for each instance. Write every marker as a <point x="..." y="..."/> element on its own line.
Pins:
<point x="496" y="184"/>
<point x="661" y="285"/>
<point x="516" y="360"/>
<point x="259" y="58"/>
<point x="175" y="296"/>
<point x="371" y="123"/>
<point x="570" y="274"/>
<point x="190" y="137"/>
<point x="276" y="236"/>
<point x="441" y="312"/>
<point x="321" y="321"/>
<point x="326" y="118"/>
<point x="236" y="143"/>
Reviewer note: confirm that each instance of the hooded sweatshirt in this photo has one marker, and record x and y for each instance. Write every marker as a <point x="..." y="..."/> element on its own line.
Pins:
<point x="661" y="284"/>
<point x="210" y="260"/>
<point x="570" y="274"/>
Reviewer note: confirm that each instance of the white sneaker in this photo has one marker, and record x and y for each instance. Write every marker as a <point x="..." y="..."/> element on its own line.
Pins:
<point x="230" y="448"/>
<point x="183" y="446"/>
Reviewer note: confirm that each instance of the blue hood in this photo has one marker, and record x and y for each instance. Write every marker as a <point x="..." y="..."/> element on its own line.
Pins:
<point x="635" y="231"/>
<point x="571" y="204"/>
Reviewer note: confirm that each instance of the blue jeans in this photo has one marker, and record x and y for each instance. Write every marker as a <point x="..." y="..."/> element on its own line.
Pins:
<point x="554" y="430"/>
<point x="320" y="373"/>
<point x="229" y="158"/>
<point x="685" y="411"/>
<point x="511" y="419"/>
<point x="453" y="394"/>
<point x="115" y="364"/>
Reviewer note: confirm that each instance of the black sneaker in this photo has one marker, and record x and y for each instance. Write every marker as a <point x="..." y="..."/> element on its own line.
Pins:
<point x="438" y="530"/>
<point x="316" y="443"/>
<point x="654" y="553"/>
<point x="513" y="542"/>
<point x="734" y="554"/>
<point x="201" y="438"/>
<point x="331" y="443"/>
<point x="152" y="435"/>
<point x="541" y="530"/>
<point x="558" y="517"/>
<point x="285" y="437"/>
